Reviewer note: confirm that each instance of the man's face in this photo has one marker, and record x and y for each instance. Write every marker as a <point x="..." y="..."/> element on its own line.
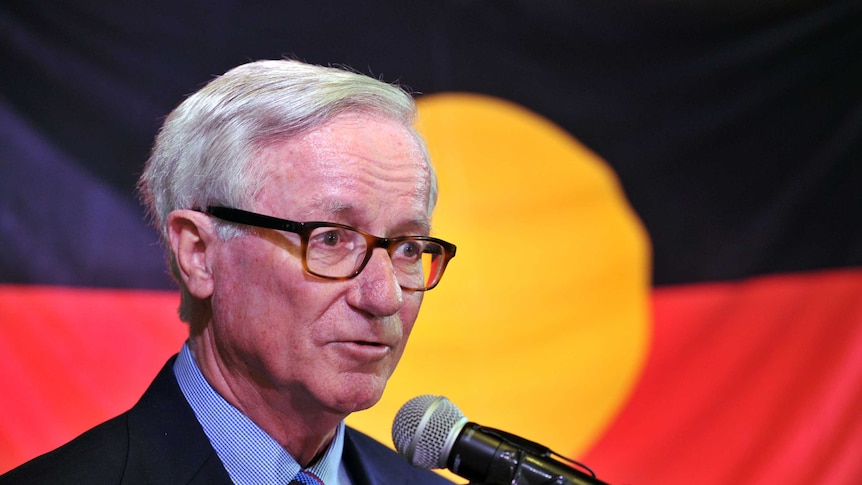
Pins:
<point x="290" y="335"/>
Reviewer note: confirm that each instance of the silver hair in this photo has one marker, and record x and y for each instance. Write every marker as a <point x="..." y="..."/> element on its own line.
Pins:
<point x="204" y="153"/>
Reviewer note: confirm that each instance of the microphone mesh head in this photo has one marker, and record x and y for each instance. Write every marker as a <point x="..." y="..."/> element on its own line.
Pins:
<point x="425" y="429"/>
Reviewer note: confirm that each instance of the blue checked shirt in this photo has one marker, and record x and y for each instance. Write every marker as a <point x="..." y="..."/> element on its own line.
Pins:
<point x="249" y="454"/>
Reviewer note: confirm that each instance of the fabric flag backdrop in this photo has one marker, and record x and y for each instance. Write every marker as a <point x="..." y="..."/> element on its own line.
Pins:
<point x="658" y="207"/>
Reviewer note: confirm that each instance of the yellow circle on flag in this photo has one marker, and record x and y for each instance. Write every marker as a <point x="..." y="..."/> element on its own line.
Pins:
<point x="540" y="325"/>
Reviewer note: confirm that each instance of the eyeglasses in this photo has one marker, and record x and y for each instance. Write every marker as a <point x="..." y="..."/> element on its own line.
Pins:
<point x="339" y="252"/>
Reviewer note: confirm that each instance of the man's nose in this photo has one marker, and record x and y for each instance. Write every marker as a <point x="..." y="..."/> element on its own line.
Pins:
<point x="379" y="291"/>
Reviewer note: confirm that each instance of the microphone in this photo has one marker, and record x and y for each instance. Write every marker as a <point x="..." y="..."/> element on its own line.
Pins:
<point x="431" y="432"/>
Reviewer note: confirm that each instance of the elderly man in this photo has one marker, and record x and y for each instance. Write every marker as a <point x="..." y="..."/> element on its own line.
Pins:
<point x="295" y="203"/>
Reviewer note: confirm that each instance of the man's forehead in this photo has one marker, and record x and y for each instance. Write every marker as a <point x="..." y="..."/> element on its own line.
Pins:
<point x="372" y="170"/>
<point x="345" y="142"/>
<point x="412" y="217"/>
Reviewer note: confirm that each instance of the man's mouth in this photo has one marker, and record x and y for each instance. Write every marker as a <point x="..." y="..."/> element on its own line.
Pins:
<point x="366" y="348"/>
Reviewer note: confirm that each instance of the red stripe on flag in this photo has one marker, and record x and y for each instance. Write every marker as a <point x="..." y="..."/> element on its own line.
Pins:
<point x="750" y="382"/>
<point x="71" y="358"/>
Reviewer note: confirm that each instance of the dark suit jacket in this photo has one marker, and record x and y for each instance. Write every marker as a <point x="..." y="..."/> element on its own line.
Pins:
<point x="159" y="441"/>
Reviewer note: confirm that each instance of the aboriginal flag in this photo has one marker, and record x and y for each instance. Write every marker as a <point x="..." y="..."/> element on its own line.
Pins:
<point x="658" y="209"/>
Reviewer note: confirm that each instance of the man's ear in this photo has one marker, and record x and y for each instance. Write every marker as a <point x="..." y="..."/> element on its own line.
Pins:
<point x="190" y="234"/>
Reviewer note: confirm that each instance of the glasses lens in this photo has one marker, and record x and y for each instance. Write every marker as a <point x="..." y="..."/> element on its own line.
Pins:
<point x="418" y="264"/>
<point x="335" y="251"/>
<point x="338" y="252"/>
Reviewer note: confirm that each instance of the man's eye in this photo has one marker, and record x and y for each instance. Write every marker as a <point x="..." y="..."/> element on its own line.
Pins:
<point x="330" y="238"/>
<point x="409" y="250"/>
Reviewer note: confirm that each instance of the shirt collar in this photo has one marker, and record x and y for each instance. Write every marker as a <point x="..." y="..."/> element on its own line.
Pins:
<point x="248" y="453"/>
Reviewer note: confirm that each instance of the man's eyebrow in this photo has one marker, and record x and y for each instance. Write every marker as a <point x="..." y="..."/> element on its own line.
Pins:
<point x="339" y="209"/>
<point x="415" y="227"/>
<point x="328" y="206"/>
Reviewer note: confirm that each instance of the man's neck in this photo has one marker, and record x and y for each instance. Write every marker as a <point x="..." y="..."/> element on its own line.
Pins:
<point x="299" y="424"/>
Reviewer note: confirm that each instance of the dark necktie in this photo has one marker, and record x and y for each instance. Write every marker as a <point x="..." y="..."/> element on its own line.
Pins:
<point x="305" y="477"/>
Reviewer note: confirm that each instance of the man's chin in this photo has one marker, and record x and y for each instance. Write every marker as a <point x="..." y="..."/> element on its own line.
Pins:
<point x="359" y="396"/>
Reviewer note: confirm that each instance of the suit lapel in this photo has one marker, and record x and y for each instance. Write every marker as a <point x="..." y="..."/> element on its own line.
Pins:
<point x="369" y="462"/>
<point x="361" y="471"/>
<point x="167" y="444"/>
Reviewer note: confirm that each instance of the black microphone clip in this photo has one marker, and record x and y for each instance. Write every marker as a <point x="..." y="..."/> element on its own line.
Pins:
<point x="499" y="458"/>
